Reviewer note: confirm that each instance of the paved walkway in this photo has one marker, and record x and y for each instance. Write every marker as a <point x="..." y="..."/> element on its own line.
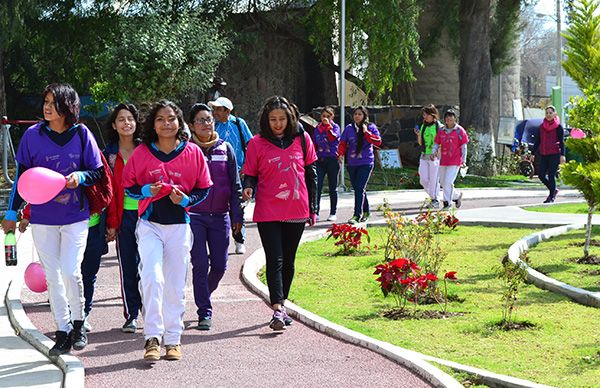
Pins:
<point x="241" y="350"/>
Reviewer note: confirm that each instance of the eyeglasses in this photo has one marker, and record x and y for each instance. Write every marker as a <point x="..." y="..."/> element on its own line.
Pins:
<point x="204" y="121"/>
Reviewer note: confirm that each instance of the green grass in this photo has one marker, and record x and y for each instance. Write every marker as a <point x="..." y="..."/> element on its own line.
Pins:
<point x="561" y="266"/>
<point x="343" y="290"/>
<point x="571" y="208"/>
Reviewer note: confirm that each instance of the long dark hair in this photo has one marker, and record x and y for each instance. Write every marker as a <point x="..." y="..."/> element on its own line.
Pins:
<point x="198" y="107"/>
<point x="66" y="101"/>
<point x="149" y="135"/>
<point x="278" y="102"/>
<point x="111" y="134"/>
<point x="361" y="127"/>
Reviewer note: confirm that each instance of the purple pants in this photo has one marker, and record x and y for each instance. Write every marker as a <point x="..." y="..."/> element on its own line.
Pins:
<point x="209" y="257"/>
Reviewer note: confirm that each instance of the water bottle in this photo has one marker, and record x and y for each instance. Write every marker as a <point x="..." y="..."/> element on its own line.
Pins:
<point x="10" y="249"/>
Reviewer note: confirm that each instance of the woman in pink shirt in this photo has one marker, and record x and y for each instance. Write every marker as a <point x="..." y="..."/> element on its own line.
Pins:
<point x="280" y="165"/>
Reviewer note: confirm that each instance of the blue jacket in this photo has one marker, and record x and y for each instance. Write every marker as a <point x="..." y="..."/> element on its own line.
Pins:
<point x="229" y="132"/>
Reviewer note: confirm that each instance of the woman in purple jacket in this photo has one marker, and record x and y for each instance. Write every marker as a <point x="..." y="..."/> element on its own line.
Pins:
<point x="326" y="137"/>
<point x="212" y="219"/>
<point x="356" y="145"/>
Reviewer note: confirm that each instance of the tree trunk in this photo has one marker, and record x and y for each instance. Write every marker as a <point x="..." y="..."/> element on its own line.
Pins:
<point x="475" y="74"/>
<point x="588" y="231"/>
<point x="2" y="86"/>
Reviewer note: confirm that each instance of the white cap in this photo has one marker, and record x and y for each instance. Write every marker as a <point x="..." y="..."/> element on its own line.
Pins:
<point x="221" y="101"/>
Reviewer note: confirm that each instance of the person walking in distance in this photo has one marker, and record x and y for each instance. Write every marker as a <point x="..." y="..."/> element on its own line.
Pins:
<point x="550" y="145"/>
<point x="429" y="163"/>
<point x="327" y="138"/>
<point x="280" y="169"/>
<point x="213" y="218"/>
<point x="451" y="142"/>
<point x="234" y="131"/>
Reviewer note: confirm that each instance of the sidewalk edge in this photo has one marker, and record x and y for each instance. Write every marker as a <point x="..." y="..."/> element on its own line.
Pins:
<point x="411" y="360"/>
<point x="72" y="368"/>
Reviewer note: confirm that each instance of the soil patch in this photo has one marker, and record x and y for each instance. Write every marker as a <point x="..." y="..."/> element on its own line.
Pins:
<point x="353" y="253"/>
<point x="517" y="325"/>
<point x="590" y="272"/>
<point x="397" y="314"/>
<point x="594" y="243"/>
<point x="591" y="259"/>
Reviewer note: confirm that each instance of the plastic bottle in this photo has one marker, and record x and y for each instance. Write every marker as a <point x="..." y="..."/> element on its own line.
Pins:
<point x="10" y="249"/>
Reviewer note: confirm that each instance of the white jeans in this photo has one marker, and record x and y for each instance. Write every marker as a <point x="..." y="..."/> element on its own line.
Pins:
<point x="428" y="176"/>
<point x="164" y="257"/>
<point x="447" y="177"/>
<point x="61" y="249"/>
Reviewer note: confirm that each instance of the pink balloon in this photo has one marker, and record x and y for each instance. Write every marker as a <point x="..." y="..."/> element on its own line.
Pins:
<point x="39" y="185"/>
<point x="577" y="133"/>
<point x="35" y="277"/>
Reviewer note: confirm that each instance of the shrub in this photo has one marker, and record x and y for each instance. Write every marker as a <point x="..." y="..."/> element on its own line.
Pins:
<point x="349" y="237"/>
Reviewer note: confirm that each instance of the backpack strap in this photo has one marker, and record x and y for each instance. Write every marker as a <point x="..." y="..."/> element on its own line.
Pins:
<point x="242" y="140"/>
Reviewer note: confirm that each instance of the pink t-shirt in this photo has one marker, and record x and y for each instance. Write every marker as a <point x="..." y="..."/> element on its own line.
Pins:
<point x="187" y="171"/>
<point x="281" y="194"/>
<point x="450" y="144"/>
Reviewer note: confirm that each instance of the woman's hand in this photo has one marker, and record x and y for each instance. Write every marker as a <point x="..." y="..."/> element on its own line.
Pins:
<point x="72" y="180"/>
<point x="155" y="188"/>
<point x="312" y="219"/>
<point x="23" y="225"/>
<point x="9" y="226"/>
<point x="111" y="234"/>
<point x="176" y="195"/>
<point x="247" y="194"/>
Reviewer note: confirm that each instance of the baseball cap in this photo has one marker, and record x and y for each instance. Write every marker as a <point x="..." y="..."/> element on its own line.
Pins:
<point x="221" y="101"/>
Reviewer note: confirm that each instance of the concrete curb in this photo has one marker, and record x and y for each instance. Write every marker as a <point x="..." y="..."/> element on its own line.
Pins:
<point x="72" y="368"/>
<point x="579" y="295"/>
<point x="407" y="358"/>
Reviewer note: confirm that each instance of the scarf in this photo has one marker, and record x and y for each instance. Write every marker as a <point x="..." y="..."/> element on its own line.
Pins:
<point x="211" y="142"/>
<point x="548" y="125"/>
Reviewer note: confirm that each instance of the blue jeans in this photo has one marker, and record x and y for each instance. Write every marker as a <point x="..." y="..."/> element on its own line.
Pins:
<point x="96" y="246"/>
<point x="359" y="177"/>
<point x="209" y="257"/>
<point x="331" y="168"/>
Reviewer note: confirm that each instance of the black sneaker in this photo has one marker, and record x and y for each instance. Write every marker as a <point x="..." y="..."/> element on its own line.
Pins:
<point x="130" y="326"/>
<point x="62" y="344"/>
<point x="204" y="323"/>
<point x="78" y="335"/>
<point x="365" y="217"/>
<point x="446" y="205"/>
<point x="286" y="318"/>
<point x="277" y="322"/>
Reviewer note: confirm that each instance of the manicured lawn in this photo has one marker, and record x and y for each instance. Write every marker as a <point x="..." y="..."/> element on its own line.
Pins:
<point x="561" y="351"/>
<point x="571" y="208"/>
<point x="554" y="258"/>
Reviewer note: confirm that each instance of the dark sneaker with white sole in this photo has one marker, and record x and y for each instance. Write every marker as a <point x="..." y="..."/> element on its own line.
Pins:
<point x="204" y="323"/>
<point x="79" y="336"/>
<point x="62" y="344"/>
<point x="130" y="326"/>
<point x="286" y="318"/>
<point x="277" y="323"/>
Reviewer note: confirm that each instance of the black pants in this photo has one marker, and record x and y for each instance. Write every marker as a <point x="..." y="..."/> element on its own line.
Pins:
<point x="280" y="241"/>
<point x="548" y="168"/>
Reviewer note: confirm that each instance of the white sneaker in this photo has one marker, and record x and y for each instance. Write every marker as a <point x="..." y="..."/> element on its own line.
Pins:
<point x="332" y="217"/>
<point x="317" y="218"/>
<point x="240" y="248"/>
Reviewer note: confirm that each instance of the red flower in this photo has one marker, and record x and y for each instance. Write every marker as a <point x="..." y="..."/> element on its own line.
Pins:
<point x="450" y="275"/>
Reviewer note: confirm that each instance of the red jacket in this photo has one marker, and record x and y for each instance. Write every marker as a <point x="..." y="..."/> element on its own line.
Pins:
<point x="114" y="214"/>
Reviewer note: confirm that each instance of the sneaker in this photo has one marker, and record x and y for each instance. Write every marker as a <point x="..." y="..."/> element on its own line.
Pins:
<point x="78" y="335"/>
<point x="549" y="199"/>
<point x="173" y="352"/>
<point x="277" y="323"/>
<point x="62" y="344"/>
<point x="130" y="326"/>
<point x="365" y="217"/>
<point x="332" y="217"/>
<point x="434" y="204"/>
<point x="152" y="350"/>
<point x="286" y="318"/>
<point x="555" y="194"/>
<point x="317" y="218"/>
<point x="354" y="220"/>
<point x="240" y="248"/>
<point x="458" y="201"/>
<point x="446" y="205"/>
<point x="204" y="323"/>
<point x="86" y="324"/>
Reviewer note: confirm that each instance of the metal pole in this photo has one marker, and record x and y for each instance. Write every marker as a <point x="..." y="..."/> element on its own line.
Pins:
<point x="559" y="59"/>
<point x="342" y="96"/>
<point x="5" y="148"/>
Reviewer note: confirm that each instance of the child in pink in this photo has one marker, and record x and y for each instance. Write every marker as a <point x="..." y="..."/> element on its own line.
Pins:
<point x="280" y="167"/>
<point x="451" y="141"/>
<point x="168" y="175"/>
